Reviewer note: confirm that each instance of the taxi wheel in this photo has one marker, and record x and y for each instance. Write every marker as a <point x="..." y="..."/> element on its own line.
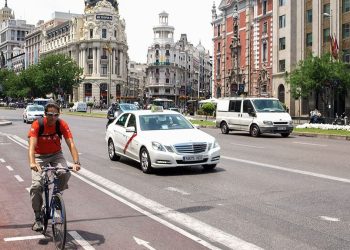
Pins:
<point x="209" y="166"/>
<point x="145" y="161"/>
<point x="111" y="151"/>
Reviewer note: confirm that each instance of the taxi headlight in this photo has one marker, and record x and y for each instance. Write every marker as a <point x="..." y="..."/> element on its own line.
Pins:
<point x="291" y="122"/>
<point x="157" y="146"/>
<point x="268" y="123"/>
<point x="215" y="144"/>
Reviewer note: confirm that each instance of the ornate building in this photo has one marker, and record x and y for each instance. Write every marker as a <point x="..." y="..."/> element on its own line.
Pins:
<point x="6" y="13"/>
<point x="176" y="70"/>
<point x="243" y="48"/>
<point x="96" y="40"/>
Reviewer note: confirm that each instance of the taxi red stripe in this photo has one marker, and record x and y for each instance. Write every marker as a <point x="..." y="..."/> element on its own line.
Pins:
<point x="129" y="141"/>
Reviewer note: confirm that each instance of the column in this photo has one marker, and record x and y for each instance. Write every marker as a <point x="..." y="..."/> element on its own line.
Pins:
<point x="113" y="62"/>
<point x="98" y="61"/>
<point x="121" y="63"/>
<point x="94" y="60"/>
<point x="84" y="61"/>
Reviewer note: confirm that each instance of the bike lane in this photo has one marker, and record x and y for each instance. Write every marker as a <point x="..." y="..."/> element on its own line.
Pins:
<point x="101" y="222"/>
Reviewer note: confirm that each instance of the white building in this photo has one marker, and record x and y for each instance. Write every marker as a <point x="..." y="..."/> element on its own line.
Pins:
<point x="175" y="68"/>
<point x="96" y="40"/>
<point x="136" y="81"/>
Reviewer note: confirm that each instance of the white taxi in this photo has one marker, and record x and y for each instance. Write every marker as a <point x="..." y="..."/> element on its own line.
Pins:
<point x="160" y="139"/>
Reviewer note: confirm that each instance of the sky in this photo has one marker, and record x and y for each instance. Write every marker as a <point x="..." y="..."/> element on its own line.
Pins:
<point x="192" y="17"/>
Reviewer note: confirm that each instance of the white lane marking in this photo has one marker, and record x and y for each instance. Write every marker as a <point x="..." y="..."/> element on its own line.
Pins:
<point x="28" y="189"/>
<point x="297" y="171"/>
<point x="20" y="140"/>
<point x="19" y="178"/>
<point x="172" y="189"/>
<point x="244" y="145"/>
<point x="214" y="234"/>
<point x="9" y="168"/>
<point x="2" y="160"/>
<point x="34" y="237"/>
<point x="329" y="218"/>
<point x="15" y="141"/>
<point x="144" y="243"/>
<point x="81" y="241"/>
<point x="311" y="144"/>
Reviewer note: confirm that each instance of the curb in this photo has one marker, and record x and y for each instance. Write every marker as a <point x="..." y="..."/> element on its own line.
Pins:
<point x="335" y="137"/>
<point x="5" y="123"/>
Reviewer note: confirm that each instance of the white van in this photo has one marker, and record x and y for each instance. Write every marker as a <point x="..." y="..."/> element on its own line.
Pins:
<point x="79" y="107"/>
<point x="254" y="115"/>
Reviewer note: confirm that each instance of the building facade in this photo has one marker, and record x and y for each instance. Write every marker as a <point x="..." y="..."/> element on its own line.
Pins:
<point x="243" y="48"/>
<point x="136" y="82"/>
<point x="6" y="13"/>
<point x="96" y="40"/>
<point x="176" y="70"/>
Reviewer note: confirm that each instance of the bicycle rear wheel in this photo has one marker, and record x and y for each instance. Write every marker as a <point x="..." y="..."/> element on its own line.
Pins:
<point x="59" y="223"/>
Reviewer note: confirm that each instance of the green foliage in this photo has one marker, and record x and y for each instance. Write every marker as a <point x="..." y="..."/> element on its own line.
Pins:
<point x="90" y="104"/>
<point x="319" y="74"/>
<point x="71" y="104"/>
<point x="208" y="108"/>
<point x="55" y="74"/>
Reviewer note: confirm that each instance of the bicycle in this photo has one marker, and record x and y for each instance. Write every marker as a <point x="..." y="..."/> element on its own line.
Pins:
<point x="54" y="209"/>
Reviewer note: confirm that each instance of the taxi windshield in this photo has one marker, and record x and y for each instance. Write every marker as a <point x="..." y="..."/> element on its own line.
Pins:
<point x="164" y="122"/>
<point x="36" y="108"/>
<point x="126" y="106"/>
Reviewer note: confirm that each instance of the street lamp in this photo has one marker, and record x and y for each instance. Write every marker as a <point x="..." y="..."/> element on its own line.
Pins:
<point x="108" y="47"/>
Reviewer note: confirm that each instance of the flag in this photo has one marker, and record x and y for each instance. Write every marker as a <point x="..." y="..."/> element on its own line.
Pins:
<point x="335" y="48"/>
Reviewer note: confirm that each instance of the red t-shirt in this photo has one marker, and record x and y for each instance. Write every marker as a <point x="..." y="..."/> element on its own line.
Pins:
<point x="49" y="144"/>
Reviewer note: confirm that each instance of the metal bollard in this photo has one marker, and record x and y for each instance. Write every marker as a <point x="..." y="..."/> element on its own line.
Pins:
<point x="345" y="120"/>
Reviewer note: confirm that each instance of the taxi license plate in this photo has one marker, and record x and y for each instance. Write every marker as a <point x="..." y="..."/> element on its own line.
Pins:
<point x="193" y="158"/>
<point x="281" y="128"/>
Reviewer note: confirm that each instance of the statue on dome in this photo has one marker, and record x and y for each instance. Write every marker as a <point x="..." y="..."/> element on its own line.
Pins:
<point x="92" y="3"/>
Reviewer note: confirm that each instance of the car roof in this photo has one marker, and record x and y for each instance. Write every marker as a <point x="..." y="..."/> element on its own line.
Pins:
<point x="150" y="112"/>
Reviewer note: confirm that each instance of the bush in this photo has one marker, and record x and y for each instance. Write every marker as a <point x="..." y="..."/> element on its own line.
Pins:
<point x="71" y="104"/>
<point x="90" y="104"/>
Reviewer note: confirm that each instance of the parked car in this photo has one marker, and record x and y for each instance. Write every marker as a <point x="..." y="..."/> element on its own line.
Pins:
<point x="160" y="139"/>
<point x="118" y="108"/>
<point x="33" y="112"/>
<point x="79" y="107"/>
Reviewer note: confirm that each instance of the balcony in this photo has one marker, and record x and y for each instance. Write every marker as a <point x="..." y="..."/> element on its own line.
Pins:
<point x="104" y="57"/>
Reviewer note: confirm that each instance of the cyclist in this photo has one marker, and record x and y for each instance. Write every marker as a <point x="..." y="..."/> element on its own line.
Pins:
<point x="45" y="148"/>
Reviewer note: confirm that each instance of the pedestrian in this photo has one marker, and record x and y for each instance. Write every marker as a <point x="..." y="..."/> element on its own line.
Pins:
<point x="45" y="148"/>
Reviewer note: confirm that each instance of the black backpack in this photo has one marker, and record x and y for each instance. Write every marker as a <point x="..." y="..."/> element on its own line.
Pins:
<point x="41" y="128"/>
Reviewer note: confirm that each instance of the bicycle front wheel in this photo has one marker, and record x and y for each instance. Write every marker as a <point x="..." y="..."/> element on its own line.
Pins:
<point x="59" y="222"/>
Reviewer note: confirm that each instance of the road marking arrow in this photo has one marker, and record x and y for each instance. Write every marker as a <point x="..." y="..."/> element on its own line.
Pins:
<point x="143" y="243"/>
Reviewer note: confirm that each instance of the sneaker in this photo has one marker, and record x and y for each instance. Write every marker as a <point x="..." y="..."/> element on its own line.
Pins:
<point x="37" y="226"/>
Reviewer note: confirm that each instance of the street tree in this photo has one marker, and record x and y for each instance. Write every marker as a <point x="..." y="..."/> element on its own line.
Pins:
<point x="208" y="109"/>
<point x="320" y="74"/>
<point x="59" y="74"/>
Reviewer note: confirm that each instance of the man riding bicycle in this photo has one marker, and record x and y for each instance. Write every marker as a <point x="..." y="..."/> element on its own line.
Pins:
<point x="45" y="148"/>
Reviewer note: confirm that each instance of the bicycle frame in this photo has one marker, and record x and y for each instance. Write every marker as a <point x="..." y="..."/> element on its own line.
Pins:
<point x="47" y="182"/>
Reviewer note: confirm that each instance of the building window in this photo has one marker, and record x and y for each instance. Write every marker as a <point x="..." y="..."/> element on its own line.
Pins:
<point x="218" y="67"/>
<point x="282" y="21"/>
<point x="115" y="33"/>
<point x="219" y="45"/>
<point x="309" y="16"/>
<point x="346" y="57"/>
<point x="90" y="53"/>
<point x="282" y="43"/>
<point x="326" y="35"/>
<point x="104" y="69"/>
<point x="282" y="2"/>
<point x="346" y="30"/>
<point x="264" y="6"/>
<point x="282" y="65"/>
<point x="265" y="28"/>
<point x="91" y="33"/>
<point x="219" y="29"/>
<point x="327" y="9"/>
<point x="346" y="5"/>
<point x="264" y="52"/>
<point x="104" y="33"/>
<point x="88" y="89"/>
<point x="90" y="69"/>
<point x="309" y="39"/>
<point x="167" y="91"/>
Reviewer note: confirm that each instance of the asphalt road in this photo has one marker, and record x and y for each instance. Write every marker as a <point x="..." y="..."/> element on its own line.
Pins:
<point x="268" y="192"/>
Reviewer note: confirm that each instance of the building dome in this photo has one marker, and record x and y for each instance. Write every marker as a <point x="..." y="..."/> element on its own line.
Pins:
<point x="200" y="48"/>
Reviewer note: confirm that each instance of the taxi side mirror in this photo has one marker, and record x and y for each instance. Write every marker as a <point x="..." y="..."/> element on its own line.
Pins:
<point x="130" y="129"/>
